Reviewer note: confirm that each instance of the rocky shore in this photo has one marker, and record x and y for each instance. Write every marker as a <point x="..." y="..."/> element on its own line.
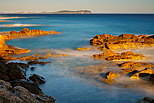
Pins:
<point x="14" y="86"/>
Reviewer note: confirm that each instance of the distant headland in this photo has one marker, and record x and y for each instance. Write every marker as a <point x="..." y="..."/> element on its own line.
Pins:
<point x="57" y="12"/>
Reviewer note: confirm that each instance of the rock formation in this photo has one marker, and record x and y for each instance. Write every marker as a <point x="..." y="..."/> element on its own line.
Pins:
<point x="124" y="41"/>
<point x="18" y="94"/>
<point x="9" y="49"/>
<point x="110" y="55"/>
<point x="17" y="89"/>
<point x="26" y="33"/>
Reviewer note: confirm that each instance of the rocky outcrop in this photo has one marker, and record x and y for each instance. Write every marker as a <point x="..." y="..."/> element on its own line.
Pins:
<point x="30" y="86"/>
<point x="124" y="41"/>
<point x="110" y="55"/>
<point x="5" y="50"/>
<point x="37" y="79"/>
<point x="146" y="100"/>
<point x="26" y="33"/>
<point x="135" y="65"/>
<point x="18" y="94"/>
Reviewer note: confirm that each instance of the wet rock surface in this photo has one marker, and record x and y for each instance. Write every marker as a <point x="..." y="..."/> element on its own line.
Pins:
<point x="37" y="79"/>
<point x="18" y="89"/>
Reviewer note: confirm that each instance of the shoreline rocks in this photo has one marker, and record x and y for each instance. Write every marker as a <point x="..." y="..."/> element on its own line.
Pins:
<point x="18" y="94"/>
<point x="110" y="55"/>
<point x="122" y="42"/>
<point x="13" y="82"/>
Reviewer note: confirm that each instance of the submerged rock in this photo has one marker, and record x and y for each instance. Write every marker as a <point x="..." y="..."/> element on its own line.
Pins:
<point x="124" y="41"/>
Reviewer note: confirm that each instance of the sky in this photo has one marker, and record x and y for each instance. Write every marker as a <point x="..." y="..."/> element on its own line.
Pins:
<point x="96" y="6"/>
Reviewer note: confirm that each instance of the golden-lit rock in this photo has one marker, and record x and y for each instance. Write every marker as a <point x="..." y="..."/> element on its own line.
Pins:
<point x="83" y="49"/>
<point x="136" y="65"/>
<point x="124" y="41"/>
<point x="26" y="33"/>
<point x="105" y="55"/>
<point x="147" y="71"/>
<point x="110" y="55"/>
<point x="126" y="56"/>
<point x="110" y="76"/>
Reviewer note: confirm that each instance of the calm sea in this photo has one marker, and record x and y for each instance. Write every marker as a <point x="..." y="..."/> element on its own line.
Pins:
<point x="63" y="82"/>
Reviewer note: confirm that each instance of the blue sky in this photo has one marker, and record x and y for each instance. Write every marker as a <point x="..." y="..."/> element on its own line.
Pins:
<point x="98" y="6"/>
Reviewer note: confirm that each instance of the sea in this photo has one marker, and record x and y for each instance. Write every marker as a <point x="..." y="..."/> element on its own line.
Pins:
<point x="66" y="77"/>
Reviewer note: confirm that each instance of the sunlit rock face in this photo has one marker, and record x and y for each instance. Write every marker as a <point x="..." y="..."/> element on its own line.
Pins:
<point x="124" y="41"/>
<point x="26" y="33"/>
<point x="110" y="55"/>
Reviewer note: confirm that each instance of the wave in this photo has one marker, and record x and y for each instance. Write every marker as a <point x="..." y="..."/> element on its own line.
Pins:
<point x="12" y="17"/>
<point x="20" y="25"/>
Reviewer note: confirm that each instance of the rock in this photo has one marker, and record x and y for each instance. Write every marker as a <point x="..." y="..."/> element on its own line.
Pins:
<point x="32" y="87"/>
<point x="22" y="65"/>
<point x="135" y="65"/>
<point x="110" y="55"/>
<point x="124" y="41"/>
<point x="15" y="72"/>
<point x="28" y="97"/>
<point x="110" y="76"/>
<point x="37" y="62"/>
<point x="83" y="49"/>
<point x="104" y="55"/>
<point x="16" y="50"/>
<point x="136" y="75"/>
<point x="32" y="68"/>
<point x="126" y="56"/>
<point x="26" y="33"/>
<point x="4" y="75"/>
<point x="146" y="100"/>
<point x="37" y="79"/>
<point x="151" y="78"/>
<point x="19" y="94"/>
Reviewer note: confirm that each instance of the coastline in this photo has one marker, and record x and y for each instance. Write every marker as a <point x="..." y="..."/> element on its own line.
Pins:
<point x="96" y="70"/>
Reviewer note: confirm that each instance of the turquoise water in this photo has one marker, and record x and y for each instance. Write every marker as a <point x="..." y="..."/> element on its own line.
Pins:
<point x="63" y="82"/>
